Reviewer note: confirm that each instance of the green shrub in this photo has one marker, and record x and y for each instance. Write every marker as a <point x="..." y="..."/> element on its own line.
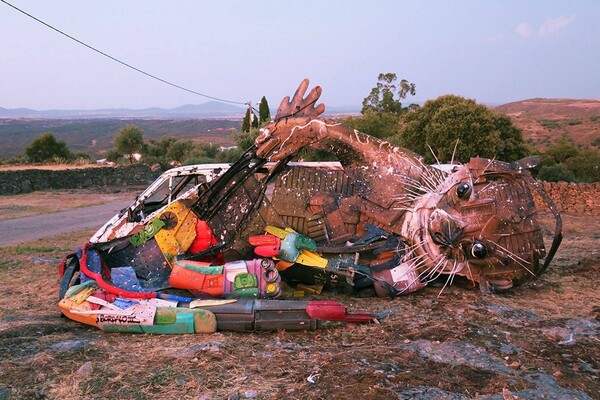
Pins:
<point x="20" y="159"/>
<point x="555" y="173"/>
<point x="46" y="148"/>
<point x="559" y="152"/>
<point x="585" y="165"/>
<point x="228" y="156"/>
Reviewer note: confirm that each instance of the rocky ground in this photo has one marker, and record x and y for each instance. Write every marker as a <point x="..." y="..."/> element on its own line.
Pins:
<point x="538" y="341"/>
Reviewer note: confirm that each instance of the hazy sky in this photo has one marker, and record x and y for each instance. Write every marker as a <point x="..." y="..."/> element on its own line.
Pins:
<point x="492" y="51"/>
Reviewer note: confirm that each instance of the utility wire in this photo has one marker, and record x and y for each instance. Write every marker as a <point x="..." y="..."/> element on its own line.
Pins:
<point x="122" y="62"/>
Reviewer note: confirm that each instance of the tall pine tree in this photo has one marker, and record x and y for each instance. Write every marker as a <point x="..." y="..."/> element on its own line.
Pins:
<point x="264" y="114"/>
<point x="246" y="121"/>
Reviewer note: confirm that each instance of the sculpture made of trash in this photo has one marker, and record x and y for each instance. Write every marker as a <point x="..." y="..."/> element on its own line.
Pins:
<point x="378" y="221"/>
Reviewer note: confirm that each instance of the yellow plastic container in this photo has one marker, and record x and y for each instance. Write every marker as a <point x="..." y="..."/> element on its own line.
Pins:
<point x="178" y="233"/>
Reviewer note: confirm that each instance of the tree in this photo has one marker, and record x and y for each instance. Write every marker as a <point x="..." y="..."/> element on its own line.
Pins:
<point x="129" y="140"/>
<point x="179" y="150"/>
<point x="264" y="114"/>
<point x="381" y="98"/>
<point x="559" y="152"/>
<point x="246" y="121"/>
<point x="46" y="148"/>
<point x="480" y="132"/>
<point x="564" y="161"/>
<point x="512" y="146"/>
<point x="381" y="111"/>
<point x="201" y="153"/>
<point x="113" y="156"/>
<point x="158" y="148"/>
<point x="585" y="165"/>
<point x="250" y="121"/>
<point x="244" y="140"/>
<point x="380" y="125"/>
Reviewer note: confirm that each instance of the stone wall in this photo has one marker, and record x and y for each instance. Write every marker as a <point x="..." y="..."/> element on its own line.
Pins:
<point x="28" y="180"/>
<point x="572" y="198"/>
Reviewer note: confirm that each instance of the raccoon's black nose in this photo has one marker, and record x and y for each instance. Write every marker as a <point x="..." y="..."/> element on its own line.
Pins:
<point x="444" y="229"/>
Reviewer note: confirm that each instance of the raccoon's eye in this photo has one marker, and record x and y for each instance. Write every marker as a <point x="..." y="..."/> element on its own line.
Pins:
<point x="463" y="189"/>
<point x="478" y="250"/>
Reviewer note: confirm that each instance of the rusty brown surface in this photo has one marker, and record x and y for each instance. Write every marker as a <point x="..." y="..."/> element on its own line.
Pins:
<point x="479" y="221"/>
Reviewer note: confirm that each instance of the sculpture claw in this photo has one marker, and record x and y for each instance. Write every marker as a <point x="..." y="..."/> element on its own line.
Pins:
<point x="300" y="106"/>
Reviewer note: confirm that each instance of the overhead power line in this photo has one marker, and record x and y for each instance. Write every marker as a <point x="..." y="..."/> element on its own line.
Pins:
<point x="122" y="62"/>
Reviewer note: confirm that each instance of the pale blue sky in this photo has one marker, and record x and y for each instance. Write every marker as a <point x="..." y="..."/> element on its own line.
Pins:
<point x="492" y="51"/>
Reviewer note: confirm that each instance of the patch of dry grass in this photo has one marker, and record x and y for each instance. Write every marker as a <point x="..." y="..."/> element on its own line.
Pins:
<point x="337" y="361"/>
<point x="51" y="167"/>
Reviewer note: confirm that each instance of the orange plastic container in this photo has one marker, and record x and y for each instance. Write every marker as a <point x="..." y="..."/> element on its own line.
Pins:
<point x="189" y="275"/>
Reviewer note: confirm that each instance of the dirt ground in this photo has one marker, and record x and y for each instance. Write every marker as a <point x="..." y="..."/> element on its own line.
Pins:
<point x="538" y="341"/>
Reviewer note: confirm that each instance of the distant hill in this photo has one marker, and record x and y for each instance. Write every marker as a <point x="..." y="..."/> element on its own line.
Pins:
<point x="92" y="131"/>
<point x="94" y="136"/>
<point x="211" y="109"/>
<point x="543" y="121"/>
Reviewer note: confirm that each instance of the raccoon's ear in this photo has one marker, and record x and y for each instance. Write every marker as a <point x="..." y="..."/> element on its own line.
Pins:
<point x="527" y="162"/>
